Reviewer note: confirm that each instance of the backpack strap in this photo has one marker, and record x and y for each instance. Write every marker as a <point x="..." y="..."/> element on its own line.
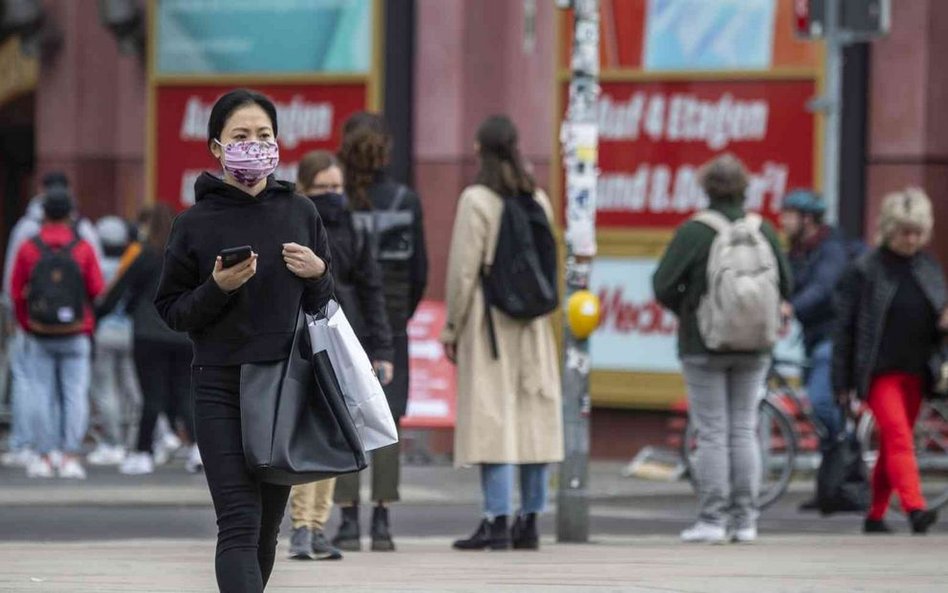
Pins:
<point x="41" y="245"/>
<point x="713" y="219"/>
<point x="399" y="199"/>
<point x="754" y="221"/>
<point x="489" y="316"/>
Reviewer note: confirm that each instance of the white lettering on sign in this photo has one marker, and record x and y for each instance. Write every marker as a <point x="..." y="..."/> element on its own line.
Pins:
<point x="300" y="121"/>
<point x="656" y="189"/>
<point x="626" y="316"/>
<point x="682" y="117"/>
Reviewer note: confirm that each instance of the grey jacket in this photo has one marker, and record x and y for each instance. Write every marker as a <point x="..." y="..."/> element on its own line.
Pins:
<point x="862" y="301"/>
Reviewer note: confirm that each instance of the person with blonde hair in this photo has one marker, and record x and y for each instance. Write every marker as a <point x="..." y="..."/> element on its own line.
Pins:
<point x="892" y="310"/>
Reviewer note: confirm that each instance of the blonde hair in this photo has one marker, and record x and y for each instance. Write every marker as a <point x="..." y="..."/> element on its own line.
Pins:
<point x="911" y="208"/>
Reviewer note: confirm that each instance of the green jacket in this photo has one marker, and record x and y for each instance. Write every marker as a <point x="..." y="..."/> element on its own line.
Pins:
<point x="681" y="278"/>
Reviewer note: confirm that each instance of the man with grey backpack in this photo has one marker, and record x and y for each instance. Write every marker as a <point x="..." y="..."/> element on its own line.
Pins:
<point x="725" y="277"/>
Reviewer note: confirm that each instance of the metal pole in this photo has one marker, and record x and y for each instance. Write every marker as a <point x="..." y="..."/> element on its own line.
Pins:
<point x="833" y="95"/>
<point x="579" y="138"/>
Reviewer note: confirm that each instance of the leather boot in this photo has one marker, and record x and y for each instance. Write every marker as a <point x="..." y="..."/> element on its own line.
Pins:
<point x="490" y="535"/>
<point x="524" y="534"/>
<point x="921" y="521"/>
<point x="349" y="534"/>
<point x="381" y="535"/>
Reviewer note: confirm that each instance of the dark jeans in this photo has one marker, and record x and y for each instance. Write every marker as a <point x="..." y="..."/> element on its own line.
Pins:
<point x="248" y="512"/>
<point x="386" y="475"/>
<point x="164" y="373"/>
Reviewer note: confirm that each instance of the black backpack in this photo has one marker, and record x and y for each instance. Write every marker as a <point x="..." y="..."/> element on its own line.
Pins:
<point x="56" y="295"/>
<point x="522" y="280"/>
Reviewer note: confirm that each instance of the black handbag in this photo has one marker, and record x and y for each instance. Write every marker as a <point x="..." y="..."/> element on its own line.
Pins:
<point x="295" y="425"/>
<point x="938" y="371"/>
<point x="842" y="483"/>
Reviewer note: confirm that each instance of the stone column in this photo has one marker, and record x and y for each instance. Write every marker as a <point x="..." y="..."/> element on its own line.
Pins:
<point x="471" y="62"/>
<point x="908" y="119"/>
<point x="90" y="113"/>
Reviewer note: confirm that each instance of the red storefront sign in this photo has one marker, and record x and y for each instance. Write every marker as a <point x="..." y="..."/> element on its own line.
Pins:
<point x="654" y="136"/>
<point x="310" y="117"/>
<point x="433" y="386"/>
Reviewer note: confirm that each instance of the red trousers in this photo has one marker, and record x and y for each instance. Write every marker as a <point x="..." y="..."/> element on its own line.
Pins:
<point x="895" y="399"/>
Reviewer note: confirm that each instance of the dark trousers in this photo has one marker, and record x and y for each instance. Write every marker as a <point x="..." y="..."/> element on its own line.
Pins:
<point x="386" y="475"/>
<point x="164" y="373"/>
<point x="248" y="512"/>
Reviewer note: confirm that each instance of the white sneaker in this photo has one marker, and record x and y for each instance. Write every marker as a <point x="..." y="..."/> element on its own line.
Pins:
<point x="18" y="458"/>
<point x="40" y="467"/>
<point x="137" y="464"/>
<point x="747" y="535"/>
<point x="194" y="464"/>
<point x="106" y="455"/>
<point x="56" y="459"/>
<point x="71" y="469"/>
<point x="165" y="448"/>
<point x="704" y="533"/>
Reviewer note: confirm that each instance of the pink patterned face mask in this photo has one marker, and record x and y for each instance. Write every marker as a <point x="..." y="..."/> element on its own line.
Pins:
<point x="250" y="161"/>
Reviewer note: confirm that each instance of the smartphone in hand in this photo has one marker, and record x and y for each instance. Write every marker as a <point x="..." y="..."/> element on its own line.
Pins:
<point x="233" y="256"/>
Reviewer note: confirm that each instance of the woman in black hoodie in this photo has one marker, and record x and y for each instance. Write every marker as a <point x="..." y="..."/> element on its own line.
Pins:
<point x="242" y="314"/>
<point x="358" y="283"/>
<point x="400" y="251"/>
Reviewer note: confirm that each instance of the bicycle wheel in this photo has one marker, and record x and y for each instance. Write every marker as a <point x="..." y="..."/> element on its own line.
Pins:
<point x="931" y="450"/>
<point x="778" y="451"/>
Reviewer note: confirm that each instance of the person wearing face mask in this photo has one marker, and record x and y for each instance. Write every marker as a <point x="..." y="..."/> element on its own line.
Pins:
<point x="892" y="310"/>
<point x="241" y="314"/>
<point x="393" y="214"/>
<point x="358" y="281"/>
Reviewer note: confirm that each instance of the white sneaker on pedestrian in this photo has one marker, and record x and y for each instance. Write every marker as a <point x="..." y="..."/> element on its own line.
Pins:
<point x="56" y="459"/>
<point x="71" y="469"/>
<point x="40" y="467"/>
<point x="194" y="464"/>
<point x="704" y="533"/>
<point x="107" y="455"/>
<point x="746" y="535"/>
<point x="137" y="464"/>
<point x="18" y="458"/>
<point x="165" y="448"/>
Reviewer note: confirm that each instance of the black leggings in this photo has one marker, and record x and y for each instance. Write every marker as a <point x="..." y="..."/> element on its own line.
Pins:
<point x="249" y="512"/>
<point x="164" y="373"/>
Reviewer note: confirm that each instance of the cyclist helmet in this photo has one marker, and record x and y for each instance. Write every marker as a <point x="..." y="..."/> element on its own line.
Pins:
<point x="804" y="201"/>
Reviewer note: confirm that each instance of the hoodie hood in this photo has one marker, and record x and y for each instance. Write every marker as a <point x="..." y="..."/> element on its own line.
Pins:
<point x="210" y="187"/>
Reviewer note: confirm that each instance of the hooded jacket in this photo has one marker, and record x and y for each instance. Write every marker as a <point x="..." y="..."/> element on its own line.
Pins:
<point x="357" y="277"/>
<point x="56" y="236"/>
<point x="255" y="323"/>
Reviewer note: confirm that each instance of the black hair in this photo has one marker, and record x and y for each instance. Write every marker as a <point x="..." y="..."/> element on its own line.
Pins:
<point x="502" y="168"/>
<point x="227" y="104"/>
<point x="55" y="179"/>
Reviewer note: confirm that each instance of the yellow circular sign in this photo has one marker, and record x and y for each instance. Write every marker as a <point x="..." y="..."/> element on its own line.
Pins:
<point x="582" y="312"/>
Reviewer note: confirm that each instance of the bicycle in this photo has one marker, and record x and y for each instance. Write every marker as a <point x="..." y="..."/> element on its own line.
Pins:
<point x="931" y="449"/>
<point x="787" y="420"/>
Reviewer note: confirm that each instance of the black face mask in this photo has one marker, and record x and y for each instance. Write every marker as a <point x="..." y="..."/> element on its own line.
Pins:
<point x="331" y="198"/>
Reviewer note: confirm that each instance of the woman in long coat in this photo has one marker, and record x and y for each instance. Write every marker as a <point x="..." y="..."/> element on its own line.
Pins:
<point x="509" y="410"/>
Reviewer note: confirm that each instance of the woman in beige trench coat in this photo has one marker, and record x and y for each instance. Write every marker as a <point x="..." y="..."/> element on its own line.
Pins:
<point x="508" y="408"/>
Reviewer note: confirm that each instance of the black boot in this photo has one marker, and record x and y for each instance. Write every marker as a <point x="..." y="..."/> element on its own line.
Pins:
<point x="524" y="534"/>
<point x="348" y="536"/>
<point x="922" y="520"/>
<point x="492" y="535"/>
<point x="875" y="526"/>
<point x="381" y="536"/>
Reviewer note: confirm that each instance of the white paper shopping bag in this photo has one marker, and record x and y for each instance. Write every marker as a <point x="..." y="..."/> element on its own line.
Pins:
<point x="364" y="395"/>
